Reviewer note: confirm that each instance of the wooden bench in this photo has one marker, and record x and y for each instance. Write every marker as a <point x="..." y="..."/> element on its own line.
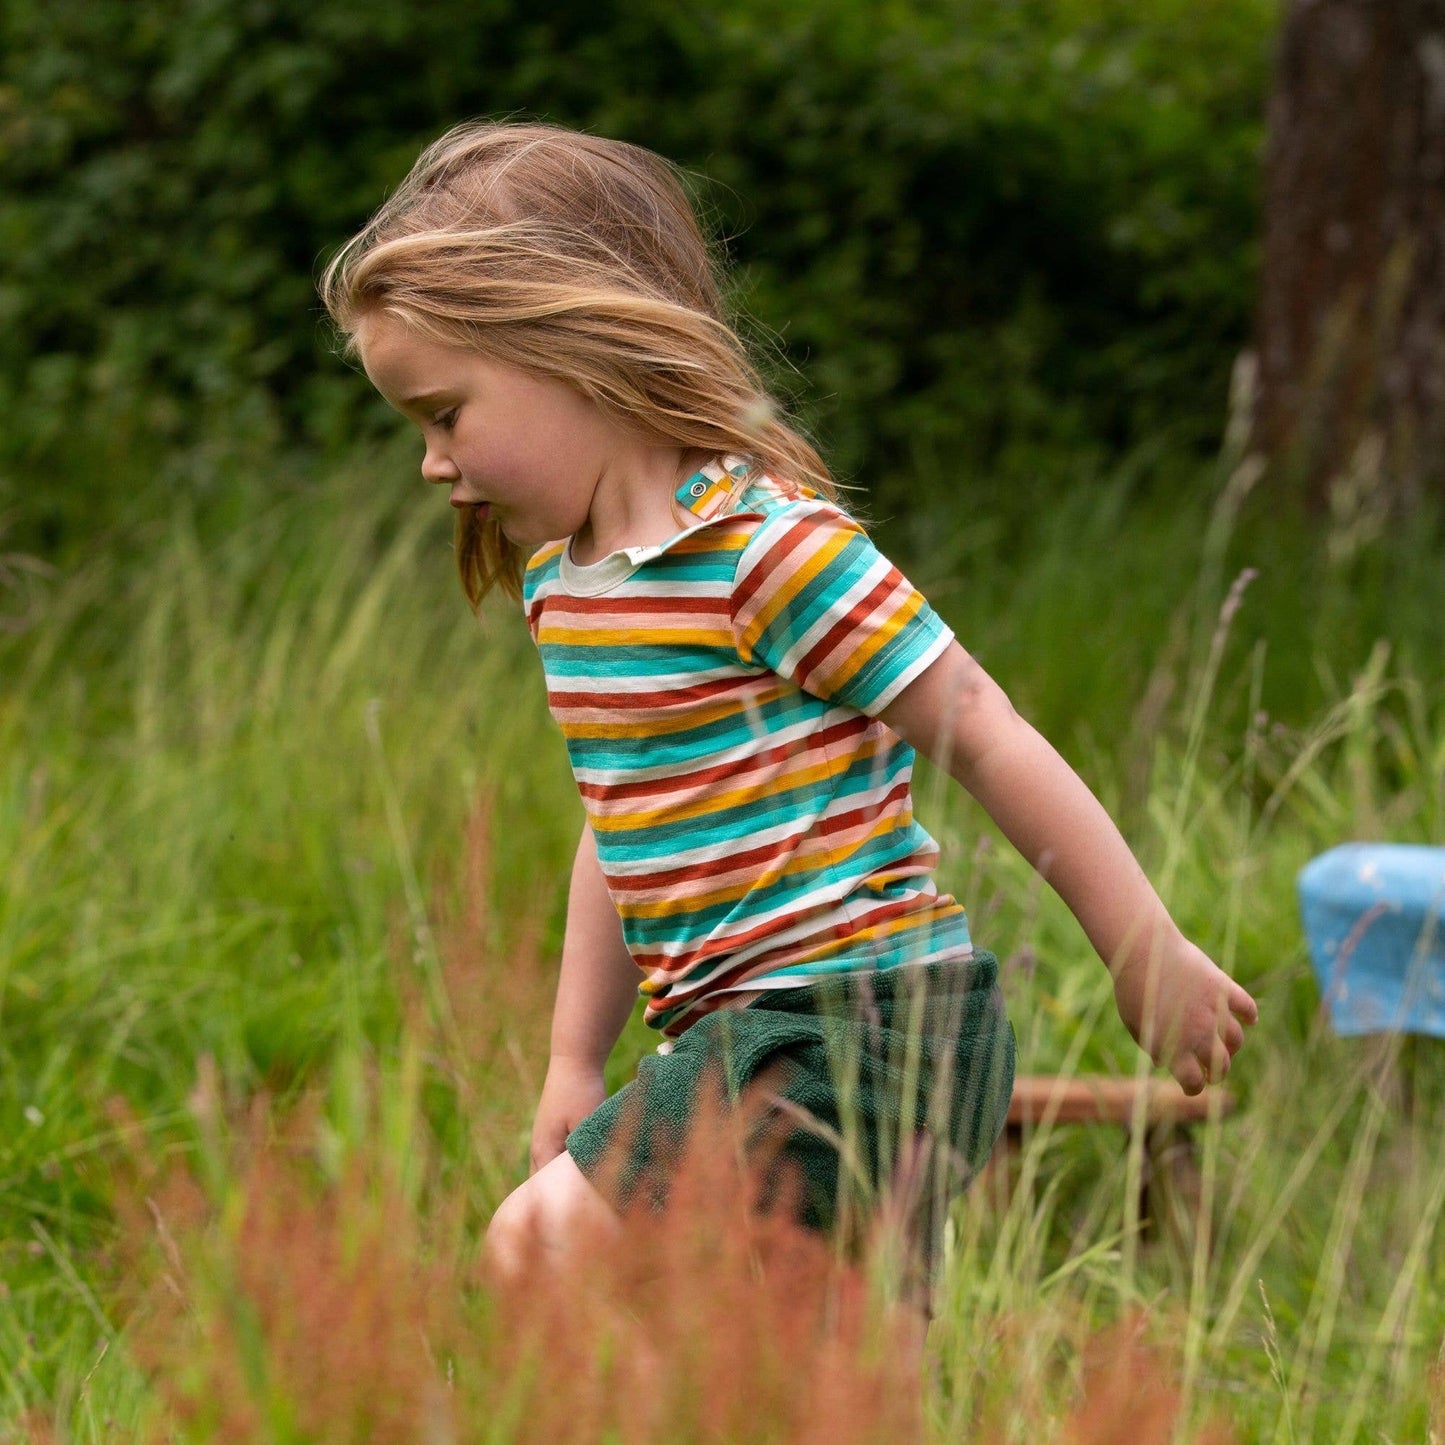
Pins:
<point x="1158" y="1106"/>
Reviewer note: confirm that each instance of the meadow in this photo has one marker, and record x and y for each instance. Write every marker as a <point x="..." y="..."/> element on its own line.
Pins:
<point x="284" y="835"/>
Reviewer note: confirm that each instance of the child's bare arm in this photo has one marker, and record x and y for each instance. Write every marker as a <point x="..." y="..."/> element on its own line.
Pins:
<point x="596" y="990"/>
<point x="1187" y="1013"/>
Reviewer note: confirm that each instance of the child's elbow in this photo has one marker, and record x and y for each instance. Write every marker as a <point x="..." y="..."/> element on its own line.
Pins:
<point x="986" y="719"/>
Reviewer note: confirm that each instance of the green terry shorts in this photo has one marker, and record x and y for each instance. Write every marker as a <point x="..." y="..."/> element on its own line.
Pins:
<point x="903" y="1072"/>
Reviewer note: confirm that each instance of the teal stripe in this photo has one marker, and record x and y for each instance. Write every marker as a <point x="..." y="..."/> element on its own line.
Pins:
<point x="876" y="676"/>
<point x="569" y="660"/>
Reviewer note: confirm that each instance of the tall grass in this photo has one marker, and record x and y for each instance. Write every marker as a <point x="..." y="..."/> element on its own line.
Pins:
<point x="278" y="821"/>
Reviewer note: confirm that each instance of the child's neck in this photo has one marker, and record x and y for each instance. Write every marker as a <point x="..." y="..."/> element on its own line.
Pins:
<point x="633" y="505"/>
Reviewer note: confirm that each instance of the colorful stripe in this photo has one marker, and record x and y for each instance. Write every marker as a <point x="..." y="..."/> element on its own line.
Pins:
<point x="753" y="818"/>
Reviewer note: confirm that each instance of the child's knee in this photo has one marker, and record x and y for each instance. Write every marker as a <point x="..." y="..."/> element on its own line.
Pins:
<point x="543" y="1219"/>
<point x="512" y="1233"/>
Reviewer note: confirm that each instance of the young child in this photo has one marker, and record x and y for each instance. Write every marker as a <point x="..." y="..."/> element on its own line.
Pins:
<point x="741" y="679"/>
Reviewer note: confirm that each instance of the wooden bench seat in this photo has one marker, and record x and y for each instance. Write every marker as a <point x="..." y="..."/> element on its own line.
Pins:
<point x="1097" y="1099"/>
<point x="1171" y="1181"/>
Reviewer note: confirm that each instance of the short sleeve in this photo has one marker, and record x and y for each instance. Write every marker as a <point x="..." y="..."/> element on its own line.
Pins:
<point x="815" y="601"/>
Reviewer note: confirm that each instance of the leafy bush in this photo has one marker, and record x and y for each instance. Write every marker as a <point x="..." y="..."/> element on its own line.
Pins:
<point x="984" y="229"/>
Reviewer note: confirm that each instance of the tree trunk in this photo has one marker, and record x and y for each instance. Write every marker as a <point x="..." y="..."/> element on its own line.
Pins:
<point x="1351" y="327"/>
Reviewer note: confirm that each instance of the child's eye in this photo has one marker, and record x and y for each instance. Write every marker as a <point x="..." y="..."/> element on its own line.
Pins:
<point x="447" y="419"/>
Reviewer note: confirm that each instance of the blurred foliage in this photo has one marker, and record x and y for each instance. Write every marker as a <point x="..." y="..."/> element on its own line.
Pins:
<point x="990" y="232"/>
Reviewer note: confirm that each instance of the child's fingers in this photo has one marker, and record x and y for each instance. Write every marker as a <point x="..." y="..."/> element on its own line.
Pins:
<point x="1242" y="1005"/>
<point x="1208" y="1059"/>
<point x="1196" y="1071"/>
<point x="1233" y="1035"/>
<point x="1190" y="1074"/>
<point x="1220" y="1059"/>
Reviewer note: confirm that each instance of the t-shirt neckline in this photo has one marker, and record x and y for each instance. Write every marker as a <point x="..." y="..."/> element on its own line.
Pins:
<point x="706" y="494"/>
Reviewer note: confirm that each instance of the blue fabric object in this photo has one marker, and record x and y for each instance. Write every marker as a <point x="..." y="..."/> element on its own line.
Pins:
<point x="1373" y="918"/>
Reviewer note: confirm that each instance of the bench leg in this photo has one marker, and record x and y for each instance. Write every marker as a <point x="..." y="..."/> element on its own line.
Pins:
<point x="1172" y="1191"/>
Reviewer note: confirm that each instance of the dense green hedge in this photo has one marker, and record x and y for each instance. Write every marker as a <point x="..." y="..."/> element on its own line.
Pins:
<point x="984" y="229"/>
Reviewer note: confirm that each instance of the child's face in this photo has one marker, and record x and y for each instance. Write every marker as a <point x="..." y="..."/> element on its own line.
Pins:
<point x="526" y="450"/>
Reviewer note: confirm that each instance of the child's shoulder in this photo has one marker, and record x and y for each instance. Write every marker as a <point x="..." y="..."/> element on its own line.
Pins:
<point x="768" y="502"/>
<point x="774" y="513"/>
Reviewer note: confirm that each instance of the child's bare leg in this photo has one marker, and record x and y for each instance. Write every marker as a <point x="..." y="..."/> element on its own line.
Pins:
<point x="547" y="1218"/>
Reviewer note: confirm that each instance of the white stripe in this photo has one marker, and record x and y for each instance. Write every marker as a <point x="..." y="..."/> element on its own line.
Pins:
<point x="560" y="603"/>
<point x="658" y="681"/>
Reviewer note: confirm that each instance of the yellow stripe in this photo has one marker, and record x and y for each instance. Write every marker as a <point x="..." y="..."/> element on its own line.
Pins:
<point x="624" y="636"/>
<point x="715" y="539"/>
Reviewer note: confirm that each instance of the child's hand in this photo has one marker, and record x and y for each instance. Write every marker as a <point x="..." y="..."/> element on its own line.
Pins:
<point x="1190" y="1016"/>
<point x="571" y="1092"/>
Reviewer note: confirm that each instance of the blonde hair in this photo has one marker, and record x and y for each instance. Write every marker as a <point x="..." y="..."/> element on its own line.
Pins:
<point x="573" y="257"/>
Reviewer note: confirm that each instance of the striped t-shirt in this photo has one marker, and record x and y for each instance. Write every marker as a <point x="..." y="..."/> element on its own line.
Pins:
<point x="717" y="693"/>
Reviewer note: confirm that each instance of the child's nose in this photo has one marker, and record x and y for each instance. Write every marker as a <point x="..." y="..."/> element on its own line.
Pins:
<point x="436" y="466"/>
